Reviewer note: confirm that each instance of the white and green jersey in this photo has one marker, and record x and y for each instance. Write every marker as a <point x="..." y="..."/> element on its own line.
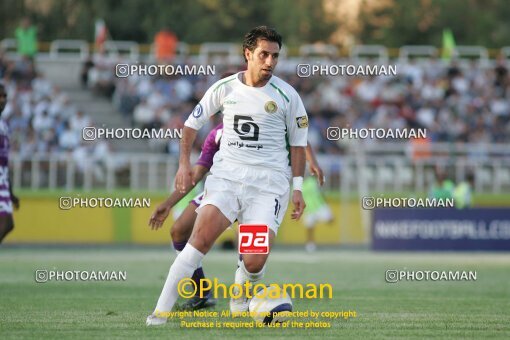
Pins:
<point x="258" y="122"/>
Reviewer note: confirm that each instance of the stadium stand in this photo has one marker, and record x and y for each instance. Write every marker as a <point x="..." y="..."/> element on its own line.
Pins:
<point x="462" y="103"/>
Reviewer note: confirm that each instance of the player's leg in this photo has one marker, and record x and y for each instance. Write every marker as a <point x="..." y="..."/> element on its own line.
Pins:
<point x="209" y="225"/>
<point x="6" y="225"/>
<point x="180" y="233"/>
<point x="215" y="214"/>
<point x="183" y="226"/>
<point x="310" y="220"/>
<point x="325" y="213"/>
<point x="310" y="239"/>
<point x="259" y="207"/>
<point x="251" y="268"/>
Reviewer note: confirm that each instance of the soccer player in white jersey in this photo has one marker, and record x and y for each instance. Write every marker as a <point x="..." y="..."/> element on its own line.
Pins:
<point x="263" y="117"/>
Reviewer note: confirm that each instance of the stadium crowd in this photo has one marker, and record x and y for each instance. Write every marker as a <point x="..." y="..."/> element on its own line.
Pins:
<point x="43" y="120"/>
<point x="453" y="103"/>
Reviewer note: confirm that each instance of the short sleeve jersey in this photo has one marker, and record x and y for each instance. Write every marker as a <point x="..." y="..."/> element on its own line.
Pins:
<point x="259" y="123"/>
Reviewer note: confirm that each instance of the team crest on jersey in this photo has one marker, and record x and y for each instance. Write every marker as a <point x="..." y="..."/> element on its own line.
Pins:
<point x="197" y="111"/>
<point x="271" y="107"/>
<point x="302" y="122"/>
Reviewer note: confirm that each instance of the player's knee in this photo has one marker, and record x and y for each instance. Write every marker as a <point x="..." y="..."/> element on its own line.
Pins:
<point x="178" y="231"/>
<point x="254" y="265"/>
<point x="200" y="243"/>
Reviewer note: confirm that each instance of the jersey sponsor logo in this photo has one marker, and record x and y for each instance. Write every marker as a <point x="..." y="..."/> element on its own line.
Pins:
<point x="270" y="107"/>
<point x="197" y="111"/>
<point x="253" y="239"/>
<point x="246" y="130"/>
<point x="302" y="122"/>
<point x="239" y="144"/>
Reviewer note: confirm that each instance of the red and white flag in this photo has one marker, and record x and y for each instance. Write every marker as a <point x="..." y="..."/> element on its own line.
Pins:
<point x="101" y="34"/>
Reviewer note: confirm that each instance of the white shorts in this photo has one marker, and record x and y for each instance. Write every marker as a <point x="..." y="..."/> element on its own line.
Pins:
<point x="249" y="195"/>
<point x="323" y="214"/>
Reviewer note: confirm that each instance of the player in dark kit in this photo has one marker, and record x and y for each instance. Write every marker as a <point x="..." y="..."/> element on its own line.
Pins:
<point x="7" y="198"/>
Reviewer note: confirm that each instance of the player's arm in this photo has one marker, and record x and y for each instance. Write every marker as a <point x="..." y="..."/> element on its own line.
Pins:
<point x="315" y="169"/>
<point x="183" y="178"/>
<point x="297" y="129"/>
<point x="298" y="161"/>
<point x="163" y="210"/>
<point x="208" y="106"/>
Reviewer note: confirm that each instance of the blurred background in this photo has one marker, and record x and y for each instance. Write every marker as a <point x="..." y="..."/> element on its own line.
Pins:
<point x="57" y="60"/>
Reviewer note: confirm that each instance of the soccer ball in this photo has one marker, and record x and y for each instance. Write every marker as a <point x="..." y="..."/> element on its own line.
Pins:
<point x="271" y="306"/>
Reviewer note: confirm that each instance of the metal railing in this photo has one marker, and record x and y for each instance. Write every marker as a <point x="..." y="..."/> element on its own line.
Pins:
<point x="319" y="51"/>
<point x="416" y="51"/>
<point x="220" y="52"/>
<point x="377" y="52"/>
<point x="131" y="50"/>
<point x="370" y="168"/>
<point x="74" y="49"/>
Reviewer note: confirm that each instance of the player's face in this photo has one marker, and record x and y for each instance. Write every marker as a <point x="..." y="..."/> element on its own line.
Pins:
<point x="3" y="98"/>
<point x="262" y="61"/>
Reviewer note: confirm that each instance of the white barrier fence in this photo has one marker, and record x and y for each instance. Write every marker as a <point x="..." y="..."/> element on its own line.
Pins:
<point x="371" y="168"/>
<point x="72" y="49"/>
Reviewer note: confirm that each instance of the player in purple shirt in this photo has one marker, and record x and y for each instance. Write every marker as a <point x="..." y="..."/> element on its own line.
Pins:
<point x="7" y="198"/>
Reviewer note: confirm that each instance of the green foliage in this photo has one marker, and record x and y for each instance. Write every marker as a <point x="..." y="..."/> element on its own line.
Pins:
<point x="389" y="22"/>
<point x="473" y="22"/>
<point x="194" y="21"/>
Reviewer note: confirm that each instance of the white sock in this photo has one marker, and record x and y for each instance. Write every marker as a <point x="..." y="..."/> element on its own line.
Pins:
<point x="184" y="266"/>
<point x="199" y="264"/>
<point x="242" y="275"/>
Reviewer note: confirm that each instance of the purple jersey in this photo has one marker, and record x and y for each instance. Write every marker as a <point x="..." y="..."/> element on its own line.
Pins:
<point x="5" y="197"/>
<point x="210" y="147"/>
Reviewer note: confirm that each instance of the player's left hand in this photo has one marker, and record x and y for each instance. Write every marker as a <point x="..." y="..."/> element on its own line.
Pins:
<point x="159" y="216"/>
<point x="316" y="170"/>
<point x="15" y="201"/>
<point x="299" y="204"/>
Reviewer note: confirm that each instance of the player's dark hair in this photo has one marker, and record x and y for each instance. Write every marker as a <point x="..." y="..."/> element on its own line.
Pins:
<point x="260" y="32"/>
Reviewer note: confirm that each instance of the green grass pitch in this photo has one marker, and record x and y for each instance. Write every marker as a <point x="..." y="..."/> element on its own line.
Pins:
<point x="76" y="310"/>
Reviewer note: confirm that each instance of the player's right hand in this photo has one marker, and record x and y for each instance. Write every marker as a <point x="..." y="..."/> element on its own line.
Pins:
<point x="183" y="178"/>
<point x="299" y="204"/>
<point x="159" y="216"/>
